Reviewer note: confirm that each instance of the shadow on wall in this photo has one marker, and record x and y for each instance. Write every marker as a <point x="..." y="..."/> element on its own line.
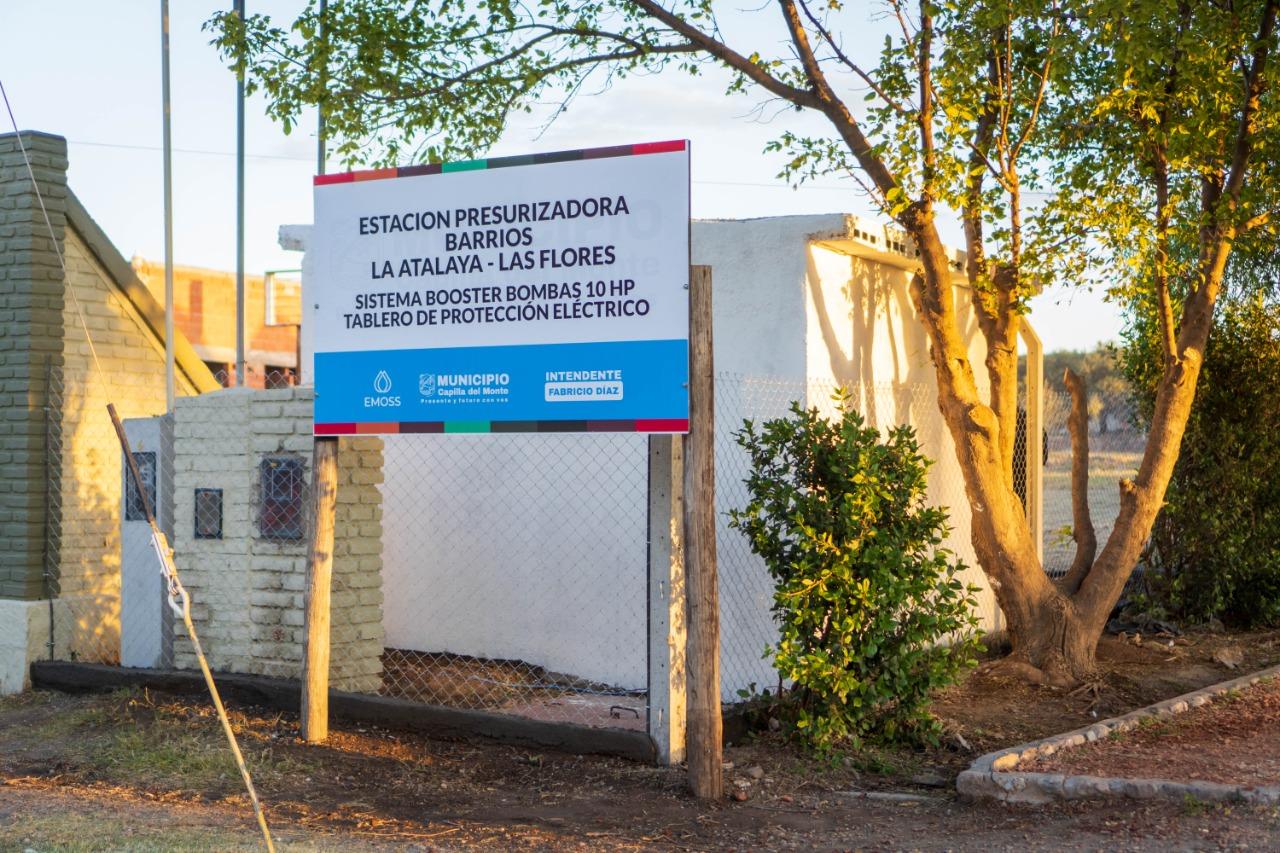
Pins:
<point x="879" y="351"/>
<point x="87" y="538"/>
<point x="125" y="366"/>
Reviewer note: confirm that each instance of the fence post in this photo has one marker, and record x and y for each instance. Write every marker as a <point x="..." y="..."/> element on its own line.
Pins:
<point x="1035" y="434"/>
<point x="315" y="653"/>
<point x="666" y="599"/>
<point x="705" y="727"/>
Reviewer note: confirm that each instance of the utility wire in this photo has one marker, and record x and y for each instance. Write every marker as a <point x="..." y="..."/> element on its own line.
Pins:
<point x="204" y="152"/>
<point x="290" y="159"/>
<point x="49" y="225"/>
<point x="179" y="601"/>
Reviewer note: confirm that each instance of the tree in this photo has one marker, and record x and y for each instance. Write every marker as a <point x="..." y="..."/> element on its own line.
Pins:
<point x="1215" y="549"/>
<point x="969" y="103"/>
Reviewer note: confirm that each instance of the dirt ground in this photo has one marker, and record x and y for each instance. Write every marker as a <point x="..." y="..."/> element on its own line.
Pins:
<point x="1234" y="740"/>
<point x="148" y="771"/>
<point x="991" y="712"/>
<point x="512" y="687"/>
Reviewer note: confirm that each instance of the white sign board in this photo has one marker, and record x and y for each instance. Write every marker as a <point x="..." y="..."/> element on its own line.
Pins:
<point x="546" y="293"/>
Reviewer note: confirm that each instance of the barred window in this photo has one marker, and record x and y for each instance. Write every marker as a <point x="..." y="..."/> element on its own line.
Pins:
<point x="282" y="486"/>
<point x="208" y="513"/>
<point x="133" y="508"/>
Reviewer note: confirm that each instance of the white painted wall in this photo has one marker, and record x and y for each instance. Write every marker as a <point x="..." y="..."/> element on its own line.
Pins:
<point x="519" y="547"/>
<point x="24" y="634"/>
<point x="533" y="547"/>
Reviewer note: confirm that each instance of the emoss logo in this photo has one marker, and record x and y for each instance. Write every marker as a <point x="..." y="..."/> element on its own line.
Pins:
<point x="382" y="386"/>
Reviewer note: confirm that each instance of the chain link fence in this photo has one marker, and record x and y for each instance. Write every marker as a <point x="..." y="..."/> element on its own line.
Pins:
<point x="502" y="573"/>
<point x="266" y="378"/>
<point x="520" y="564"/>
<point x="746" y="590"/>
<point x="1116" y="444"/>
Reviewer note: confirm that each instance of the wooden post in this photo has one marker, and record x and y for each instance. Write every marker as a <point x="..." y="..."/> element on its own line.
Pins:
<point x="705" y="728"/>
<point x="667" y="606"/>
<point x="315" y="654"/>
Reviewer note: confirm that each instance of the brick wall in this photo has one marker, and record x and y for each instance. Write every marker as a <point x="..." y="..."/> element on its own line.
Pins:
<point x="129" y="372"/>
<point x="204" y="302"/>
<point x="30" y="345"/>
<point x="248" y="590"/>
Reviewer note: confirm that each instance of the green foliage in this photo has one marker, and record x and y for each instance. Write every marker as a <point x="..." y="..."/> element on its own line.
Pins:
<point x="1215" y="548"/>
<point x="429" y="81"/>
<point x="441" y="80"/>
<point x="873" y="616"/>
<point x="1149" y="93"/>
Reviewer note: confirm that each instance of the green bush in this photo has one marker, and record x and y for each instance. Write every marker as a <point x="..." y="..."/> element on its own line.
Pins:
<point x="1215" y="548"/>
<point x="872" y="614"/>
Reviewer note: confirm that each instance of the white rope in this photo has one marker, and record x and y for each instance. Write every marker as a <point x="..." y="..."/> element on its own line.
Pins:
<point x="179" y="601"/>
<point x="49" y="225"/>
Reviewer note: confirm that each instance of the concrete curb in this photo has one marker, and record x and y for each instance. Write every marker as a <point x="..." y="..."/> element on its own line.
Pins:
<point x="994" y="776"/>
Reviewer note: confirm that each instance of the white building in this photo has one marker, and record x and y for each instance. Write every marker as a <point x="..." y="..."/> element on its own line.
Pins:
<point x="533" y="548"/>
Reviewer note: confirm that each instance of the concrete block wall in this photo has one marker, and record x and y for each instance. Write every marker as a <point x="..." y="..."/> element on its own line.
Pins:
<point x="129" y="372"/>
<point x="31" y="296"/>
<point x="247" y="590"/>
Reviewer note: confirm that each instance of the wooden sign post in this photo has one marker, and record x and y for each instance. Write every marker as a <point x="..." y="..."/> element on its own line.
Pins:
<point x="668" y="608"/>
<point x="705" y="728"/>
<point x="315" y="653"/>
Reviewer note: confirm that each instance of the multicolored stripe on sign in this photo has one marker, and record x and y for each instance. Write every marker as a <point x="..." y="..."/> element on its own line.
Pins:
<point x="502" y="162"/>
<point x="441" y="427"/>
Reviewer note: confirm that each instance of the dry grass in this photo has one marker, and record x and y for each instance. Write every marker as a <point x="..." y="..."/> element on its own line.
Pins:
<point x="1106" y="469"/>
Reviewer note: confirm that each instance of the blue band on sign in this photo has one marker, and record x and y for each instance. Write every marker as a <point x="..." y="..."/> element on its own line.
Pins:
<point x="620" y="380"/>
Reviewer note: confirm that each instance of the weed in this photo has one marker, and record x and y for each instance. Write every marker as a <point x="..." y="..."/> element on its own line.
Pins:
<point x="1193" y="806"/>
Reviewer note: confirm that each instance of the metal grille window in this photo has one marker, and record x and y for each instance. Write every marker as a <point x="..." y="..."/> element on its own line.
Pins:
<point x="208" y="513"/>
<point x="282" y="486"/>
<point x="133" y="508"/>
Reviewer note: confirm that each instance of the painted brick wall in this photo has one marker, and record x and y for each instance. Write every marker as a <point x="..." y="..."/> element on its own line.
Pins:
<point x="59" y="460"/>
<point x="248" y="590"/>
<point x="30" y="344"/>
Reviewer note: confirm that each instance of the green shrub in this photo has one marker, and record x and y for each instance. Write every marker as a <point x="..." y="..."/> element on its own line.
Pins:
<point x="872" y="614"/>
<point x="1215" y="548"/>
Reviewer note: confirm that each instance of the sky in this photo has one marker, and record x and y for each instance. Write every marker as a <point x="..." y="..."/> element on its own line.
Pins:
<point x="103" y="95"/>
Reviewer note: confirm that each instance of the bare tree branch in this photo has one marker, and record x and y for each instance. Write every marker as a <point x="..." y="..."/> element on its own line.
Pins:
<point x="743" y="65"/>
<point x="1164" y="303"/>
<point x="832" y="106"/>
<point x="844" y="59"/>
<point x="1082" y="531"/>
<point x="1041" y="89"/>
<point x="929" y="154"/>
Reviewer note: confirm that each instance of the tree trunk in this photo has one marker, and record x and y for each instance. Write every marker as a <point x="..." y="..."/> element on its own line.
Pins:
<point x="1056" y="646"/>
<point x="1054" y="636"/>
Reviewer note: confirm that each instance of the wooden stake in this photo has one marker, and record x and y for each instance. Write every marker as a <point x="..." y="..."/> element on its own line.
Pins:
<point x="178" y="598"/>
<point x="705" y="728"/>
<point x="315" y="654"/>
